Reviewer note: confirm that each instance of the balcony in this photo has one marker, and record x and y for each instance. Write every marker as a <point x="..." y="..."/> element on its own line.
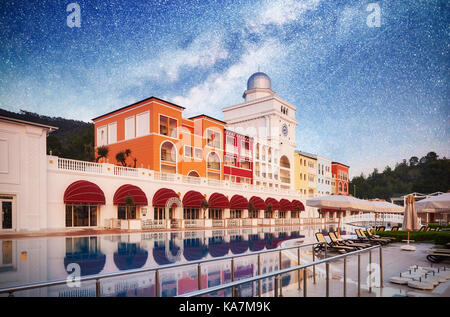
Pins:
<point x="57" y="164"/>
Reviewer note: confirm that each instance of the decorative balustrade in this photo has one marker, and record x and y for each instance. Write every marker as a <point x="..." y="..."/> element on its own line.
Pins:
<point x="125" y="171"/>
<point x="279" y="221"/>
<point x="233" y="222"/>
<point x="79" y="166"/>
<point x="247" y="222"/>
<point x="218" y="223"/>
<point x="122" y="171"/>
<point x="153" y="224"/>
<point x="194" y="223"/>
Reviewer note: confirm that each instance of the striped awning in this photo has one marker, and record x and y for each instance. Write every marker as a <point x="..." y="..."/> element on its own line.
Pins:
<point x="285" y="205"/>
<point x="238" y="202"/>
<point x="193" y="199"/>
<point x="162" y="196"/>
<point x="84" y="192"/>
<point x="297" y="205"/>
<point x="272" y="201"/>
<point x="218" y="201"/>
<point x="127" y="190"/>
<point x="258" y="203"/>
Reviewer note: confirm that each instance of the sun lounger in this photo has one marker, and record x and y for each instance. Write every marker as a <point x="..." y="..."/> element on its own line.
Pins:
<point x="422" y="229"/>
<point x="371" y="235"/>
<point x="395" y="228"/>
<point x="321" y="247"/>
<point x="437" y="257"/>
<point x="337" y="239"/>
<point x="365" y="238"/>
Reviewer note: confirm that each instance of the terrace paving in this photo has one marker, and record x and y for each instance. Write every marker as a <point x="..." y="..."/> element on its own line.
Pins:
<point x="395" y="261"/>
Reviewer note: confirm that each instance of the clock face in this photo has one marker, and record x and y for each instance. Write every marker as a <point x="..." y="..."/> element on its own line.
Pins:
<point x="285" y="130"/>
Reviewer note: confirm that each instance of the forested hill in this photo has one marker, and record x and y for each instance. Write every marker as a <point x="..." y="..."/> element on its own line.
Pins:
<point x="426" y="175"/>
<point x="73" y="139"/>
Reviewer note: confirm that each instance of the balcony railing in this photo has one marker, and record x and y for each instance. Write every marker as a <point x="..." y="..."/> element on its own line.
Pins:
<point x="153" y="224"/>
<point x="63" y="164"/>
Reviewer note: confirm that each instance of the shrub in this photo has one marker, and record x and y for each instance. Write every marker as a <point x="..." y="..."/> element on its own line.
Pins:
<point x="440" y="237"/>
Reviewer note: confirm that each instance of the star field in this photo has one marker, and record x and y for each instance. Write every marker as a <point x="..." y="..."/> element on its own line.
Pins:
<point x="366" y="97"/>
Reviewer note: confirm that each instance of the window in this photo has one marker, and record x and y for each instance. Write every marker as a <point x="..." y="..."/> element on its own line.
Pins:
<point x="230" y="160"/>
<point x="213" y="139"/>
<point x="81" y="216"/>
<point x="230" y="140"/>
<point x="188" y="151"/>
<point x="112" y="133"/>
<point x="159" y="213"/>
<point x="213" y="161"/>
<point x="245" y="164"/>
<point x="142" y="124"/>
<point x="167" y="126"/>
<point x="168" y="152"/>
<point x="129" y="128"/>
<point x="126" y="212"/>
<point x="101" y="136"/>
<point x="191" y="213"/>
<point x="235" y="213"/>
<point x="168" y="169"/>
<point x="198" y="153"/>
<point x="215" y="213"/>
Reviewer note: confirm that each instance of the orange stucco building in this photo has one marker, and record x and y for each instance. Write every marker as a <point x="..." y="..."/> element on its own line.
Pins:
<point x="159" y="138"/>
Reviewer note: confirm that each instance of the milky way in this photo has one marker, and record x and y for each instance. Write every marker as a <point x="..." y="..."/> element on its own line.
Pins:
<point x="365" y="96"/>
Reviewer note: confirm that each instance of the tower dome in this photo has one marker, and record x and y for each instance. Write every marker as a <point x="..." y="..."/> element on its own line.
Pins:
<point x="259" y="81"/>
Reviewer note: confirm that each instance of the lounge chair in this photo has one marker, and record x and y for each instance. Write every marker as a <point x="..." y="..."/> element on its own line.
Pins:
<point x="437" y="228"/>
<point x="422" y="229"/>
<point x="382" y="228"/>
<point x="321" y="247"/>
<point x="371" y="235"/>
<point x="364" y="238"/>
<point x="339" y="241"/>
<point x="395" y="228"/>
<point x="437" y="256"/>
<point x="428" y="229"/>
<point x="351" y="241"/>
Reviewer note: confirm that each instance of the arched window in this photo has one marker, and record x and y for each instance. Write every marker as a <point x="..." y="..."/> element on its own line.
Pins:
<point x="168" y="152"/>
<point x="345" y="187"/>
<point x="340" y="187"/>
<point x="284" y="162"/>
<point x="193" y="174"/>
<point x="213" y="161"/>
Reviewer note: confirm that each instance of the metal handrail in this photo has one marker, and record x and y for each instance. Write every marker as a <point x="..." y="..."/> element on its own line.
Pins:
<point x="275" y="274"/>
<point x="99" y="277"/>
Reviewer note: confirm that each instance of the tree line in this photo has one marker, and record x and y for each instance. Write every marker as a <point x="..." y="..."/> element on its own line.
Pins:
<point x="426" y="175"/>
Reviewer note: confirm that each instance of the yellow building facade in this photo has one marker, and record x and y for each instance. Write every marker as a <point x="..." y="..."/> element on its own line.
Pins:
<point x="305" y="178"/>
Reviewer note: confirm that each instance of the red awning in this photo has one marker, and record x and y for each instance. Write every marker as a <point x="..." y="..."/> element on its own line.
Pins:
<point x="258" y="203"/>
<point x="285" y="205"/>
<point x="218" y="201"/>
<point x="84" y="192"/>
<point x="193" y="199"/>
<point x="127" y="190"/>
<point x="238" y="202"/>
<point x="297" y="205"/>
<point x="162" y="196"/>
<point x="275" y="204"/>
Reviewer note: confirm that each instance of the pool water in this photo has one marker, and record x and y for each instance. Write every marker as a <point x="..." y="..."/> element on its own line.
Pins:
<point x="30" y="260"/>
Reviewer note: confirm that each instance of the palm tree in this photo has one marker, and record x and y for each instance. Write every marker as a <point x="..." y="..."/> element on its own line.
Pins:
<point x="102" y="152"/>
<point x="120" y="158"/>
<point x="204" y="206"/>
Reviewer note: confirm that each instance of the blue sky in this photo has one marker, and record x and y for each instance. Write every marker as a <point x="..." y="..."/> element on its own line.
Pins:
<point x="367" y="97"/>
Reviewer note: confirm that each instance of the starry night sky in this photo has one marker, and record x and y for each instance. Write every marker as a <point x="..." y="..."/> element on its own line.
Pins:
<point x="367" y="97"/>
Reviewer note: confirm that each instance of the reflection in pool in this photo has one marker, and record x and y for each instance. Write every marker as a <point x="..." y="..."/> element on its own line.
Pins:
<point x="51" y="258"/>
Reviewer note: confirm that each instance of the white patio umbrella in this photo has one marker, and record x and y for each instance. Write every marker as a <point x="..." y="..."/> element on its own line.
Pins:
<point x="440" y="203"/>
<point x="340" y="202"/>
<point x="410" y="220"/>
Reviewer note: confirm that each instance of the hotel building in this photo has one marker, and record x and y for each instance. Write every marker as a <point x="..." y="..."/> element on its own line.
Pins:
<point x="340" y="178"/>
<point x="323" y="176"/>
<point x="305" y="171"/>
<point x="164" y="171"/>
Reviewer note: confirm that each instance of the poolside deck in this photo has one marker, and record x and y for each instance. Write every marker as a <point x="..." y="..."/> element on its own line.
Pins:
<point x="395" y="261"/>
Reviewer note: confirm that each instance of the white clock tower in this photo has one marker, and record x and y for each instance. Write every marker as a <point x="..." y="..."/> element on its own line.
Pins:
<point x="271" y="121"/>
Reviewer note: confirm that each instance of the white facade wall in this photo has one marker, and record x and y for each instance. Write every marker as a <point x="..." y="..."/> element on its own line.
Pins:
<point x="23" y="173"/>
<point x="324" y="177"/>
